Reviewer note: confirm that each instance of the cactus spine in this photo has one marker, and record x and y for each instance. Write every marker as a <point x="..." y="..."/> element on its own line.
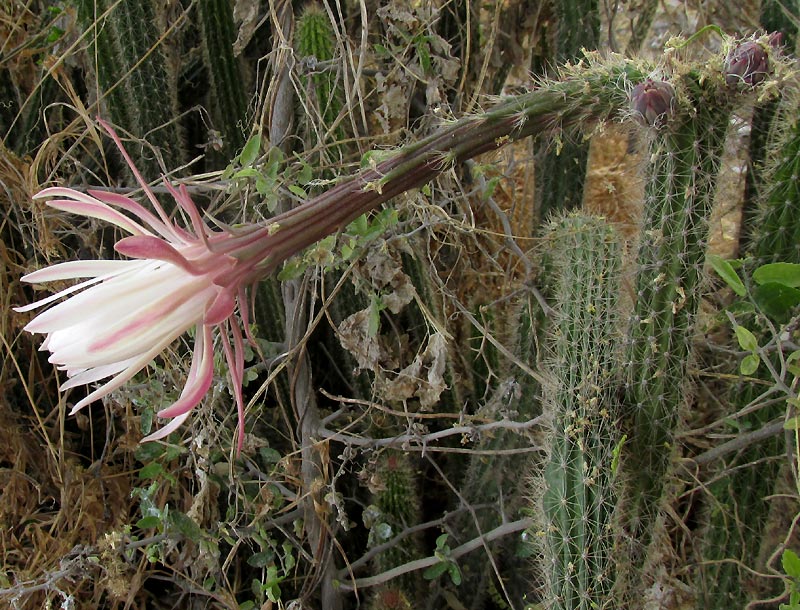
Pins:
<point x="579" y="492"/>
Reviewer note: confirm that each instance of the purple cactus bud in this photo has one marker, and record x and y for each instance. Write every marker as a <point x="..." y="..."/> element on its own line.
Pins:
<point x="748" y="63"/>
<point x="653" y="101"/>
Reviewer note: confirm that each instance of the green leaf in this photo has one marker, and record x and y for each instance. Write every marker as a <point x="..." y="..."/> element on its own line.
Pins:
<point x="749" y="364"/>
<point x="615" y="453"/>
<point x="435" y="571"/>
<point x="776" y="300"/>
<point x="151" y="471"/>
<point x="792" y="424"/>
<point x="146" y="523"/>
<point x="726" y="271"/>
<point x="298" y="191"/>
<point x="293" y="269"/>
<point x="260" y="560"/>
<point x="147" y="417"/>
<point x="248" y="605"/>
<point x="186" y="526"/>
<point x="786" y="274"/>
<point x="270" y="455"/>
<point x="374" y="321"/>
<point x="250" y="151"/>
<point x="747" y="340"/>
<point x="455" y="573"/>
<point x="791" y="563"/>
<point x="306" y="173"/>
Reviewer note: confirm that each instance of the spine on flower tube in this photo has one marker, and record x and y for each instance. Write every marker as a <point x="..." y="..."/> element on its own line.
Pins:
<point x="578" y="484"/>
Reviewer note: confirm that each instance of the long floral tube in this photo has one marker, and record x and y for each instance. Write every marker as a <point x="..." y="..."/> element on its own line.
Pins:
<point x="176" y="278"/>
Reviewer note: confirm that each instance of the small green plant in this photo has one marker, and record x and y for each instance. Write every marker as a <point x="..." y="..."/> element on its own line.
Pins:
<point x="791" y="567"/>
<point x="446" y="563"/>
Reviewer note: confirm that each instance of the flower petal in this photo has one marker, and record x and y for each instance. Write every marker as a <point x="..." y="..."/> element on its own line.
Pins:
<point x="154" y="248"/>
<point x="166" y="430"/>
<point x="199" y="381"/>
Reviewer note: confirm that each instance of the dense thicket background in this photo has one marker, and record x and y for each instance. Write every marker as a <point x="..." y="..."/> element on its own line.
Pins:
<point x="390" y="400"/>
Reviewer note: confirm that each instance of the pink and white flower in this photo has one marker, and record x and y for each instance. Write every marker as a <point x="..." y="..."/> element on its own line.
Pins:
<point x="128" y="311"/>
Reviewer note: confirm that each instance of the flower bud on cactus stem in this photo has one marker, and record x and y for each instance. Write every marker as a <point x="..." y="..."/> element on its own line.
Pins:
<point x="747" y="63"/>
<point x="653" y="101"/>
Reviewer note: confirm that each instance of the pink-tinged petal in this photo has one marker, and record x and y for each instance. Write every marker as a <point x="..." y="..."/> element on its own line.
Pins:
<point x="186" y="203"/>
<point x="199" y="382"/>
<point x="114" y="296"/>
<point x="235" y="358"/>
<point x="87" y="376"/>
<point x="86" y="205"/>
<point x="146" y="187"/>
<point x="221" y="308"/>
<point x="154" y="248"/>
<point x="244" y="312"/>
<point x="134" y="207"/>
<point x="75" y="269"/>
<point x="117" y="382"/>
<point x="166" y="430"/>
<point x="131" y="337"/>
<point x="35" y="325"/>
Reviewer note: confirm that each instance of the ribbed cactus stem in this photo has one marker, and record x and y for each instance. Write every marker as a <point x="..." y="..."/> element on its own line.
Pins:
<point x="775" y="232"/>
<point x="228" y="99"/>
<point x="316" y="42"/>
<point x="396" y="496"/>
<point x="579" y="492"/>
<point x="683" y="161"/>
<point x="135" y="87"/>
<point x="561" y="165"/>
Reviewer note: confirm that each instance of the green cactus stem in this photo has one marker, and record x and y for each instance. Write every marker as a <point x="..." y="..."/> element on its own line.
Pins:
<point x="561" y="163"/>
<point x="738" y="507"/>
<point x="683" y="161"/>
<point x="227" y="95"/>
<point x="135" y="86"/>
<point x="579" y="487"/>
<point x="316" y="42"/>
<point x="396" y="507"/>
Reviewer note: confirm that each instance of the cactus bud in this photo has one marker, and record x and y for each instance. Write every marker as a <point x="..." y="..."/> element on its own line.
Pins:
<point x="653" y="101"/>
<point x="748" y="63"/>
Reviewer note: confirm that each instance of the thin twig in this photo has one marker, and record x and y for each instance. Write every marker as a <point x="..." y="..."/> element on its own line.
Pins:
<point x="499" y="532"/>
